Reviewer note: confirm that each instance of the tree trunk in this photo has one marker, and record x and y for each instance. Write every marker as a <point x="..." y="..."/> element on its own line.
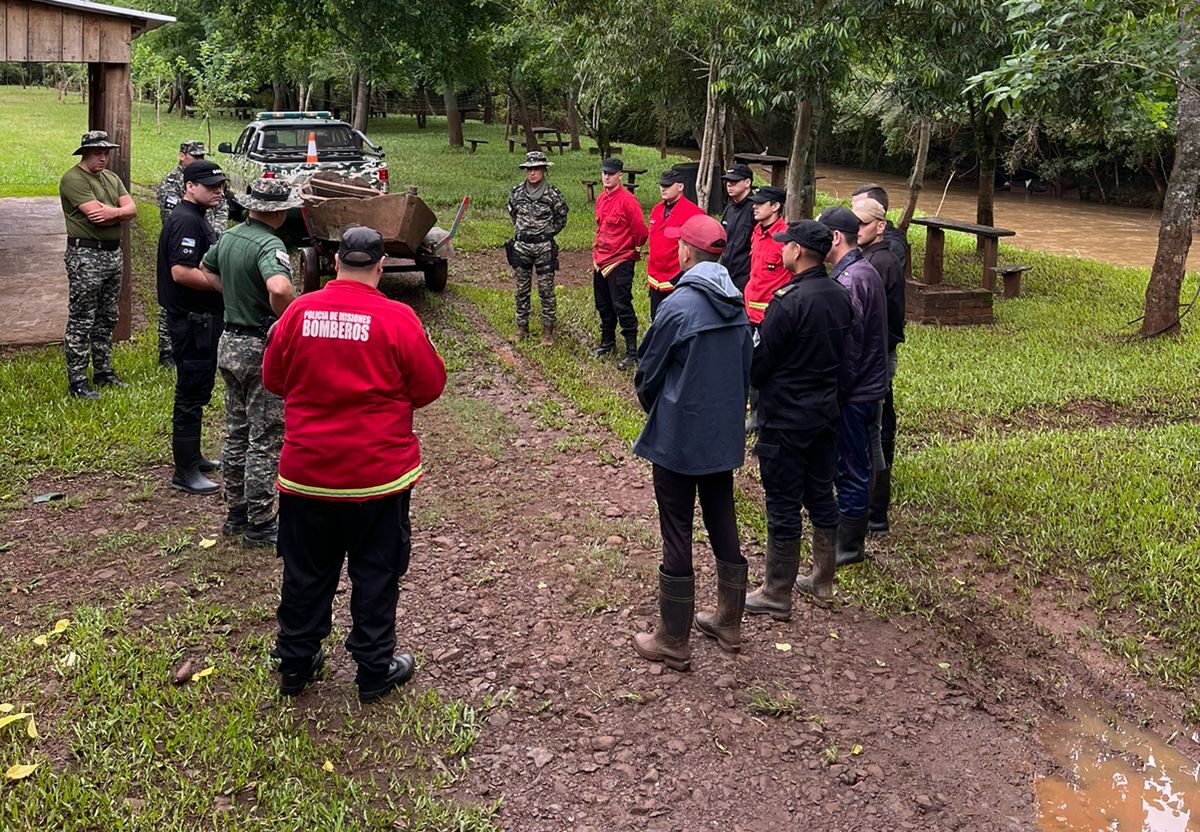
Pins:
<point x="454" y="129"/>
<point x="277" y="95"/>
<point x="987" y="138"/>
<point x="573" y="118"/>
<point x="710" y="139"/>
<point x="917" y="178"/>
<point x="489" y="105"/>
<point x="798" y="159"/>
<point x="363" y="102"/>
<point x="808" y="200"/>
<point x="1179" y="207"/>
<point x="522" y="114"/>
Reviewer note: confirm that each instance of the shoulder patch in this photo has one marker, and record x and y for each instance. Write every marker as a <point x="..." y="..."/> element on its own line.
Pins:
<point x="187" y="242"/>
<point x="783" y="290"/>
<point x="284" y="260"/>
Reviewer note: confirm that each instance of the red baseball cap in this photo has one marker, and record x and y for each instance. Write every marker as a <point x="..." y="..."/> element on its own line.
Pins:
<point x="701" y="231"/>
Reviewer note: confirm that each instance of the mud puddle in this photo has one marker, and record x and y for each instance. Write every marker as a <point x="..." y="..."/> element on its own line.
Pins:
<point x="1120" y="778"/>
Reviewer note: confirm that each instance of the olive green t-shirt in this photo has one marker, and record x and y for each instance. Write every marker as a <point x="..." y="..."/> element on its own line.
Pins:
<point x="76" y="187"/>
<point x="245" y="257"/>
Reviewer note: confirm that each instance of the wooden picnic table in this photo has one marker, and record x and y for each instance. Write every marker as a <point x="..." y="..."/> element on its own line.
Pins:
<point x="548" y="131"/>
<point x="633" y="174"/>
<point x="777" y="164"/>
<point x="935" y="246"/>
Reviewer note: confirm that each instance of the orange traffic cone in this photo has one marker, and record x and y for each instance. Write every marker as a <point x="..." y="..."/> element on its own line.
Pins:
<point x="312" y="149"/>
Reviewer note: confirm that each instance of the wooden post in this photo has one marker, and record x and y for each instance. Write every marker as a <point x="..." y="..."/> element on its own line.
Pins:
<point x="109" y="109"/>
<point x="935" y="246"/>
<point x="989" y="245"/>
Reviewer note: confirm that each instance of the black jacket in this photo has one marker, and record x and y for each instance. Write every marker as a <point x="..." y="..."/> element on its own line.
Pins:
<point x="799" y="353"/>
<point x="880" y="255"/>
<point x="183" y="241"/>
<point x="739" y="222"/>
<point x="897" y="241"/>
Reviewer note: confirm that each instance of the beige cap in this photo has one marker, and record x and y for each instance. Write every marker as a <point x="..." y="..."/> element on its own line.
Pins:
<point x="868" y="210"/>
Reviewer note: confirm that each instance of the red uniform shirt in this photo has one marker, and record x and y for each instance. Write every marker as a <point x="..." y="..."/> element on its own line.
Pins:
<point x="351" y="367"/>
<point x="766" y="270"/>
<point x="662" y="263"/>
<point x="620" y="228"/>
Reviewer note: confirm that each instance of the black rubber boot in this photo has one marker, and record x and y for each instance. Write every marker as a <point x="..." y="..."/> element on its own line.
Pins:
<point x="82" y="390"/>
<point x="669" y="643"/>
<point x="292" y="681"/>
<point x="725" y="623"/>
<point x="261" y="534"/>
<point x="774" y="597"/>
<point x="605" y="347"/>
<point x="881" y="498"/>
<point x="851" y="540"/>
<point x="374" y="686"/>
<point x="108" y="380"/>
<point x="187" y="477"/>
<point x="819" y="582"/>
<point x="630" y="359"/>
<point x="236" y="521"/>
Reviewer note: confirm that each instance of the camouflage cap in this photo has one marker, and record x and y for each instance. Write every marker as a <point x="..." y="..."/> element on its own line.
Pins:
<point x="193" y="148"/>
<point x="269" y="195"/>
<point x="94" y="140"/>
<point x="536" y="159"/>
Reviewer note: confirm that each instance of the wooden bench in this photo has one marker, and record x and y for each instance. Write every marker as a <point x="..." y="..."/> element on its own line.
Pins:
<point x="935" y="247"/>
<point x="561" y="145"/>
<point x="590" y="184"/>
<point x="475" y="143"/>
<point x="1012" y="278"/>
<point x="614" y="150"/>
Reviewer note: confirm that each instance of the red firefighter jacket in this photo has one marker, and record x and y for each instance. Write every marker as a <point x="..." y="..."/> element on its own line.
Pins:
<point x="662" y="263"/>
<point x="767" y="273"/>
<point x="620" y="228"/>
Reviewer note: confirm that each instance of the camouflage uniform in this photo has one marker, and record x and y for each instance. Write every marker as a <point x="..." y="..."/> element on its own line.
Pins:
<point x="94" y="280"/>
<point x="538" y="216"/>
<point x="170" y="193"/>
<point x="253" y="428"/>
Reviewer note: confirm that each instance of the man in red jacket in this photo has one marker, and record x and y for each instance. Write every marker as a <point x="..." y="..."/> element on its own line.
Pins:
<point x="620" y="233"/>
<point x="351" y="366"/>
<point x="662" y="263"/>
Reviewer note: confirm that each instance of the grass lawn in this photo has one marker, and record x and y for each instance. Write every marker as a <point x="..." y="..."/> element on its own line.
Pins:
<point x="1064" y="453"/>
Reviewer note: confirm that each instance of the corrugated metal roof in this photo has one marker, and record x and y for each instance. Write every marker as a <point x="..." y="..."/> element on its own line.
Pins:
<point x="150" y="19"/>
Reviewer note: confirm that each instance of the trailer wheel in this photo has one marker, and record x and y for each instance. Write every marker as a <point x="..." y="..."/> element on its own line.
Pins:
<point x="310" y="270"/>
<point x="436" y="276"/>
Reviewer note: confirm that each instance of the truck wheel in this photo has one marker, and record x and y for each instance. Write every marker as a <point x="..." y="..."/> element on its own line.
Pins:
<point x="310" y="270"/>
<point x="436" y="276"/>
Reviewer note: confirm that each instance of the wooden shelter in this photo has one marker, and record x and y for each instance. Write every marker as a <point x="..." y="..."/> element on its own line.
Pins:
<point x="78" y="31"/>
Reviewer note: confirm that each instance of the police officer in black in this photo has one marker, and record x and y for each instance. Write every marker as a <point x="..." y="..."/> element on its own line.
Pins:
<point x="797" y="360"/>
<point x="738" y="219"/>
<point x="195" y="318"/>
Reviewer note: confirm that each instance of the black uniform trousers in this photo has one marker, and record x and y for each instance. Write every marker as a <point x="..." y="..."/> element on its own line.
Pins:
<point x="613" y="295"/>
<point x="797" y="472"/>
<point x="314" y="537"/>
<point x="676" y="496"/>
<point x="888" y="424"/>
<point x="194" y="339"/>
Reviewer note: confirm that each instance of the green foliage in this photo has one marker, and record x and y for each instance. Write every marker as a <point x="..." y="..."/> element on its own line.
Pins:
<point x="218" y="78"/>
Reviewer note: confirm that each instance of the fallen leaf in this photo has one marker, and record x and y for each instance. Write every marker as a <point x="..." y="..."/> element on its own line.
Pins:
<point x="31" y="729"/>
<point x="328" y="766"/>
<point x="208" y="671"/>
<point x="783" y="646"/>
<point x="60" y="626"/>
<point x="70" y="659"/>
<point x="40" y="641"/>
<point x="5" y="720"/>
<point x="944" y="665"/>
<point x="833" y="634"/>
<point x="856" y="750"/>
<point x="541" y="585"/>
<point x="21" y="771"/>
<point x="207" y="542"/>
<point x="5" y="707"/>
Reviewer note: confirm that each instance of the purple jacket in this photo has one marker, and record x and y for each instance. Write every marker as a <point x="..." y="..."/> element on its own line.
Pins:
<point x="864" y="376"/>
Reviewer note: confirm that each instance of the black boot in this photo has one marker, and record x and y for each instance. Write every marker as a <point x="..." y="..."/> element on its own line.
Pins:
<point x="108" y="379"/>
<point x="881" y="498"/>
<point x="630" y="359"/>
<point x="774" y="597"/>
<point x="372" y="686"/>
<point x="607" y="346"/>
<point x="261" y="534"/>
<point x="851" y="539"/>
<point x="292" y="680"/>
<point x="669" y="643"/>
<point x="236" y="521"/>
<point x="725" y="623"/>
<point x="82" y="390"/>
<point x="208" y="466"/>
<point x="819" y="582"/>
<point x="187" y="477"/>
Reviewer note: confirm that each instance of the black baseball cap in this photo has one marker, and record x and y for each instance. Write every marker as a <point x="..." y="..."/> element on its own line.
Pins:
<point x="204" y="172"/>
<point x="809" y="233"/>
<point x="360" y="246"/>
<point x="839" y="218"/>
<point x="738" y="172"/>
<point x="767" y="193"/>
<point x="671" y="176"/>
<point x="611" y="165"/>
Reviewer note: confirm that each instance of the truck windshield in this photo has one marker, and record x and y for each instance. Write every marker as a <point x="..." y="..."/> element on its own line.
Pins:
<point x="288" y="138"/>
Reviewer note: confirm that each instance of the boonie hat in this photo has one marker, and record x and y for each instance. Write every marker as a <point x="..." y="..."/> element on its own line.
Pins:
<point x="738" y="172"/>
<point x="810" y="234"/>
<point x="204" y="172"/>
<point x="361" y="246"/>
<point x="194" y="148"/>
<point x="536" y="159"/>
<point x="671" y="176"/>
<point x="701" y="231"/>
<point x="611" y="165"/>
<point x="839" y="218"/>
<point x="269" y="195"/>
<point x="868" y="210"/>
<point x="767" y="193"/>
<point x="94" y="140"/>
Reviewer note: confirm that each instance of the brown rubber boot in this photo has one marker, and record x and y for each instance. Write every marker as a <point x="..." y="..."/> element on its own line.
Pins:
<point x="520" y="335"/>
<point x="547" y="335"/>
<point x="774" y="597"/>
<point x="819" y="582"/>
<point x="669" y="643"/>
<point x="725" y="623"/>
